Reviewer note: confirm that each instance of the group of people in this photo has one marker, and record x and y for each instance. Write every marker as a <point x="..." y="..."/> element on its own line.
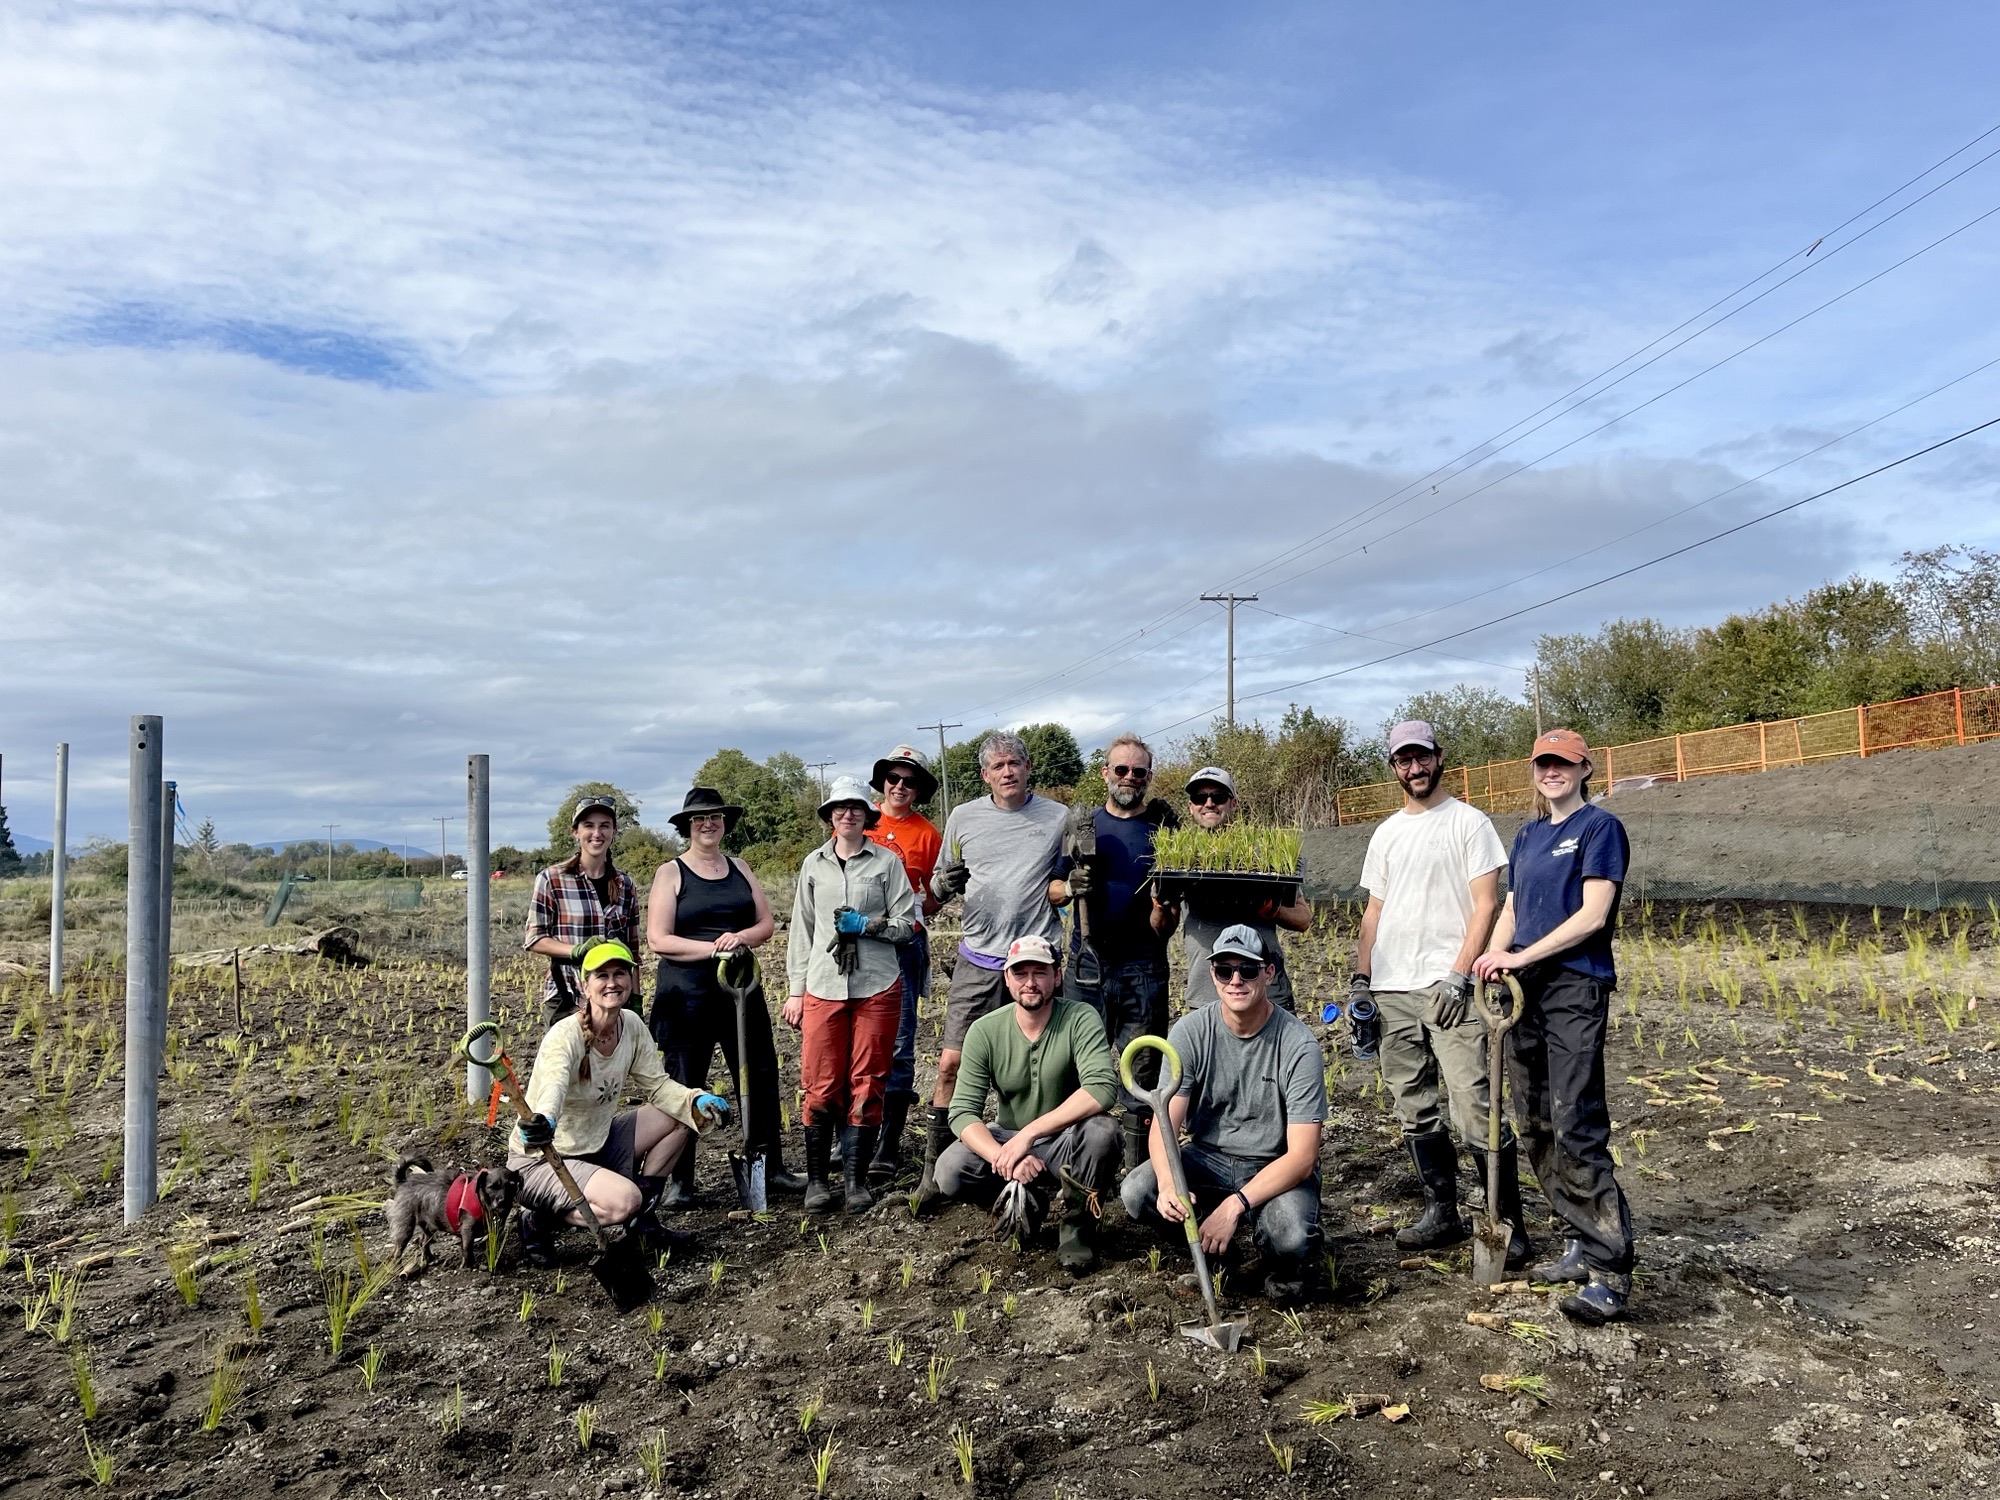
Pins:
<point x="1027" y="1113"/>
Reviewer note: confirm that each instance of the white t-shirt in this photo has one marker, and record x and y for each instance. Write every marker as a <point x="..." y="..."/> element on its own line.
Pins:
<point x="1422" y="865"/>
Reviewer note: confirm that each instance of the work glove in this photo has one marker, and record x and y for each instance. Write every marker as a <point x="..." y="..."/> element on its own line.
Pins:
<point x="848" y="922"/>
<point x="577" y="950"/>
<point x="712" y="1108"/>
<point x="1451" y="999"/>
<point x="1080" y="882"/>
<point x="846" y="951"/>
<point x="950" y="881"/>
<point x="876" y="927"/>
<point x="537" y="1133"/>
<point x="1358" y="989"/>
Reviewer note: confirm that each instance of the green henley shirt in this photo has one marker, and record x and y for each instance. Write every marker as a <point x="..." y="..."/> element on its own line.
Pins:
<point x="1032" y="1078"/>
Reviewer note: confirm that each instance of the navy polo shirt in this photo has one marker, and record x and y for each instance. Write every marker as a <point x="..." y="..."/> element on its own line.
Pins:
<point x="1546" y="871"/>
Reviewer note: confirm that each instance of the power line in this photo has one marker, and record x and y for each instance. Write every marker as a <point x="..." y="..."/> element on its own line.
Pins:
<point x="1608" y="578"/>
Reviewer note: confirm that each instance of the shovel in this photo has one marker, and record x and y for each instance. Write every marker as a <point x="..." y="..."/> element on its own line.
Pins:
<point x="747" y="1168"/>
<point x="1215" y="1333"/>
<point x="1088" y="969"/>
<point x="1492" y="1234"/>
<point x="620" y="1262"/>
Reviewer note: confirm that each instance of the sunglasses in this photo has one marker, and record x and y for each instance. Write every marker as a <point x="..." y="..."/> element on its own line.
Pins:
<point x="898" y="778"/>
<point x="1132" y="773"/>
<point x="1209" y="799"/>
<point x="1228" y="971"/>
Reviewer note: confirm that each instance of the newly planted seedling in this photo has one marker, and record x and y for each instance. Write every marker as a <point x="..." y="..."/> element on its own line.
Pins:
<point x="451" y="1416"/>
<point x="1285" y="1454"/>
<point x="961" y="1449"/>
<point x="371" y="1366"/>
<point x="867" y="1314"/>
<point x="85" y="1382"/>
<point x="1152" y="1383"/>
<point x="823" y="1465"/>
<point x="558" y="1360"/>
<point x="527" y="1307"/>
<point x="586" y="1425"/>
<point x="225" y="1389"/>
<point x="653" y="1458"/>
<point x="895" y="1348"/>
<point x="809" y="1413"/>
<point x="935" y="1377"/>
<point x="97" y="1463"/>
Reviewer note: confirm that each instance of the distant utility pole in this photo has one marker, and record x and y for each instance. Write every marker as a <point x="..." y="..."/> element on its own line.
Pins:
<point x="329" y="827"/>
<point x="818" y="768"/>
<point x="443" y="853"/>
<point x="1232" y="600"/>
<point x="1535" y="672"/>
<point x="944" y="776"/>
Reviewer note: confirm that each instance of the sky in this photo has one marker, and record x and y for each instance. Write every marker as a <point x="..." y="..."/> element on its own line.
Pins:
<point x="595" y="386"/>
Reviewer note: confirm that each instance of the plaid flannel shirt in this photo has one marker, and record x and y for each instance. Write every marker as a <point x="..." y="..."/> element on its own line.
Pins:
<point x="565" y="907"/>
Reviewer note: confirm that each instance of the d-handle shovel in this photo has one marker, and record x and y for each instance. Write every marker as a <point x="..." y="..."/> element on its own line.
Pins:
<point x="619" y="1265"/>
<point x="1491" y="1234"/>
<point x="748" y="1168"/>
<point x="1215" y="1334"/>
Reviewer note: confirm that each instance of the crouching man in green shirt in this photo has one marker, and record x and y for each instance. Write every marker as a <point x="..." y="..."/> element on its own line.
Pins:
<point x="1048" y="1061"/>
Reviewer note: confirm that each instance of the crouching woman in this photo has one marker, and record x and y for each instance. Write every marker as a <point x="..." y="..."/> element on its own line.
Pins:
<point x="619" y="1158"/>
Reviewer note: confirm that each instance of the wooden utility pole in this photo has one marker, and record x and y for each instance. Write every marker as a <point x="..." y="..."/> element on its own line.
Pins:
<point x="818" y="768"/>
<point x="1232" y="600"/>
<point x="944" y="776"/>
<point x="329" y="827"/>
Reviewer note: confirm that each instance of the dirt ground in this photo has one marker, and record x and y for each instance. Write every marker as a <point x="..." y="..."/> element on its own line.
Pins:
<point x="1806" y="1124"/>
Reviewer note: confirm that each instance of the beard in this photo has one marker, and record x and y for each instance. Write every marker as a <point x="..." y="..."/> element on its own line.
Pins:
<point x="1035" y="1004"/>
<point x="1127" y="796"/>
<point x="1420" y="783"/>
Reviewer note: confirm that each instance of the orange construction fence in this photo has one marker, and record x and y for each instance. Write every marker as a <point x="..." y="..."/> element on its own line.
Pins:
<point x="1962" y="716"/>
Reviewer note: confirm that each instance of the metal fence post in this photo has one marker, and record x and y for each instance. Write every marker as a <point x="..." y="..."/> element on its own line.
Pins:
<point x="1861" y="727"/>
<point x="59" y="871"/>
<point x="169" y="804"/>
<point x="142" y="969"/>
<point x="1958" y="711"/>
<point x="478" y="910"/>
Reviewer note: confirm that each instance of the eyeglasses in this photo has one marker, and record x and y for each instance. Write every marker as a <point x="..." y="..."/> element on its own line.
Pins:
<point x="1132" y="773"/>
<point x="847" y="810"/>
<point x="714" y="817"/>
<point x="1407" y="758"/>
<point x="1209" y="799"/>
<point x="898" y="778"/>
<point x="1227" y="971"/>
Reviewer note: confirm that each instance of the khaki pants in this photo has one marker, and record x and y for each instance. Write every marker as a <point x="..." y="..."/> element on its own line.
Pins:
<point x="1415" y="1054"/>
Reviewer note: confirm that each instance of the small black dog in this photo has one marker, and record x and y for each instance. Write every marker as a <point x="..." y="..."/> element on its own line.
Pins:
<point x="426" y="1202"/>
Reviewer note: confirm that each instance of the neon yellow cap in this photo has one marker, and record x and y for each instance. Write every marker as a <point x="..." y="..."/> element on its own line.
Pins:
<point x="608" y="953"/>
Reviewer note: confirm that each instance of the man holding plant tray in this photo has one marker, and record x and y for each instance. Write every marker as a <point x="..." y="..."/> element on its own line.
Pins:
<point x="1212" y="807"/>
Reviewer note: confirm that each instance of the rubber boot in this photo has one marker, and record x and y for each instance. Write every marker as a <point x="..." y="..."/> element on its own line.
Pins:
<point x="537" y="1237"/>
<point x="1569" y="1266"/>
<point x="1599" y="1301"/>
<point x="654" y="1235"/>
<point x="1076" y="1249"/>
<point x="857" y="1148"/>
<point x="776" y="1178"/>
<point x="1509" y="1206"/>
<point x="1437" y="1165"/>
<point x="888" y="1158"/>
<point x="680" y="1195"/>
<point x="937" y="1136"/>
<point x="1134" y="1129"/>
<point x="819" y="1151"/>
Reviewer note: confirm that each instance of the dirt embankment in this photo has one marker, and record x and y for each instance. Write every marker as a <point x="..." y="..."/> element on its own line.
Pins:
<point x="1913" y="828"/>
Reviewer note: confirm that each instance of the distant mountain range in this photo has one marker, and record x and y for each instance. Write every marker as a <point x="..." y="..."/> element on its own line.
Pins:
<point x="27" y="843"/>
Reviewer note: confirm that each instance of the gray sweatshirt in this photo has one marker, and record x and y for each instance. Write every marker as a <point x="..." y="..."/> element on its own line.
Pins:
<point x="1009" y="858"/>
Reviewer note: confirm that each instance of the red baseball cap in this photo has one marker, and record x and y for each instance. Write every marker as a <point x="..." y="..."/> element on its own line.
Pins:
<point x="1563" y="744"/>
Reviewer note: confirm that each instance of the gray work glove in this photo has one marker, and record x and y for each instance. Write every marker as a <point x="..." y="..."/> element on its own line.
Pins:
<point x="949" y="881"/>
<point x="875" y="927"/>
<point x="1080" y="881"/>
<point x="1358" y="989"/>
<point x="1451" y="1000"/>
<point x="846" y="951"/>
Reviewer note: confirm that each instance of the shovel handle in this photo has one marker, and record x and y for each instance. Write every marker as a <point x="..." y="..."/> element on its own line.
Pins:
<point x="1500" y="1016"/>
<point x="1166" y="1050"/>
<point x="510" y="1089"/>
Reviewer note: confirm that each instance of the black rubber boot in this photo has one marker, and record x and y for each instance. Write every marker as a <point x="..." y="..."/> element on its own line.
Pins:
<point x="937" y="1136"/>
<point x="857" y="1148"/>
<point x="1437" y="1164"/>
<point x="537" y="1237"/>
<point x="654" y="1235"/>
<point x="888" y="1158"/>
<point x="1509" y="1206"/>
<point x="776" y="1178"/>
<point x="1599" y="1301"/>
<point x="819" y="1154"/>
<point x="1569" y="1266"/>
<point x="1076" y="1240"/>
<point x="1134" y="1129"/>
<point x="680" y="1194"/>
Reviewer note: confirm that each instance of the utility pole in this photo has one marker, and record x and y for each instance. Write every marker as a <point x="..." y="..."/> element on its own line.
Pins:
<point x="818" y="768"/>
<point x="329" y="827"/>
<point x="1535" y="673"/>
<point x="944" y="776"/>
<point x="1232" y="600"/>
<point x="443" y="852"/>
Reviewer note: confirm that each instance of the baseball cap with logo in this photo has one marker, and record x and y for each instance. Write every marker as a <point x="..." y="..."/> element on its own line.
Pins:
<point x="1030" y="950"/>
<point x="1242" y="941"/>
<point x="1412" y="732"/>
<point x="1215" y="774"/>
<point x="1563" y="744"/>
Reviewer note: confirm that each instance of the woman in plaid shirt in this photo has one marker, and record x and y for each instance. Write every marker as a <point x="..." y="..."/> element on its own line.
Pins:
<point x="580" y="903"/>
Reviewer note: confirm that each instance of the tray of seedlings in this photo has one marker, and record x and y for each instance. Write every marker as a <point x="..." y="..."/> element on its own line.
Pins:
<point x="1243" y="864"/>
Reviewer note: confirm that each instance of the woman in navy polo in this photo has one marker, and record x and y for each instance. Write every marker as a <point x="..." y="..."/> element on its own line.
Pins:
<point x="1563" y="876"/>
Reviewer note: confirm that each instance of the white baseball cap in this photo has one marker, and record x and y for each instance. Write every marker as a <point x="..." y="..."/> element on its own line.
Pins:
<point x="1030" y="950"/>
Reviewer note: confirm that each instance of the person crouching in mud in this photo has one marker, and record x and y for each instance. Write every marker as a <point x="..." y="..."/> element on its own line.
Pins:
<point x="620" y="1160"/>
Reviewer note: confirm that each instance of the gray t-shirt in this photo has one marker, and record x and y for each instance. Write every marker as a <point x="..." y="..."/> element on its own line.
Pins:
<point x="1010" y="858"/>
<point x="1243" y="1092"/>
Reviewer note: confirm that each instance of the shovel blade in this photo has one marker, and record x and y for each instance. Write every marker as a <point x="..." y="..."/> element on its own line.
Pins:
<point x="1490" y="1239"/>
<point x="749" y="1174"/>
<point x="1088" y="969"/>
<point x="621" y="1269"/>
<point x="1226" y="1337"/>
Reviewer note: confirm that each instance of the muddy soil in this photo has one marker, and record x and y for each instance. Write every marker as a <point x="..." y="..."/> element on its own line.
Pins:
<point x="1814" y="1186"/>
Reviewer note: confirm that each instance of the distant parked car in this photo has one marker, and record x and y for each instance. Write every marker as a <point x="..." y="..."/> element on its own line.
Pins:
<point x="458" y="874"/>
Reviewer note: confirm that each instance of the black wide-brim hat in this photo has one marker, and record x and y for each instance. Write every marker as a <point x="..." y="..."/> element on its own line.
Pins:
<point x="704" y="799"/>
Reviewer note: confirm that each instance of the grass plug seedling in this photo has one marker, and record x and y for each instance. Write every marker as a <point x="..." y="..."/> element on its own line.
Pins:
<point x="586" y="1425"/>
<point x="823" y="1465"/>
<point x="371" y="1366"/>
<point x="961" y="1449"/>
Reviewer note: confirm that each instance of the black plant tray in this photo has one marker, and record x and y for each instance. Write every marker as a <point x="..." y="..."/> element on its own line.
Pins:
<point x="1227" y="887"/>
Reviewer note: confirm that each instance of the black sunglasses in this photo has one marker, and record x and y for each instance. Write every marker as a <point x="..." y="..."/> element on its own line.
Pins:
<point x="1228" y="971"/>
<point x="1208" y="799"/>
<point x="898" y="778"/>
<point x="1132" y="773"/>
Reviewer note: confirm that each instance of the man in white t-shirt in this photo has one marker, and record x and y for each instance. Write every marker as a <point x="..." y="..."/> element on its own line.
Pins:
<point x="1433" y="880"/>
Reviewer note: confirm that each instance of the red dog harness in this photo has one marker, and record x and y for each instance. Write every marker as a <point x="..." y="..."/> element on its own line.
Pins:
<point x="461" y="1200"/>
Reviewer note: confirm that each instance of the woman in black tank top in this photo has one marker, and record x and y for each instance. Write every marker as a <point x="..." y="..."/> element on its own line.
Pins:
<point x="703" y="904"/>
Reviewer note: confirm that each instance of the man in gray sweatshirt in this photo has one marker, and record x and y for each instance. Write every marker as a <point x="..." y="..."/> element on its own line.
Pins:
<point x="1000" y="852"/>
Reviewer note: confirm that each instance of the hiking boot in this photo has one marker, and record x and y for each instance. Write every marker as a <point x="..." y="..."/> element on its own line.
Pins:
<point x="1075" y="1251"/>
<point x="1569" y="1266"/>
<point x="819" y="1153"/>
<point x="888" y="1158"/>
<point x="1508" y="1209"/>
<point x="857" y="1148"/>
<point x="1133" y="1130"/>
<point x="1600" y="1300"/>
<point x="937" y="1136"/>
<point x="680" y="1195"/>
<point x="1437" y="1166"/>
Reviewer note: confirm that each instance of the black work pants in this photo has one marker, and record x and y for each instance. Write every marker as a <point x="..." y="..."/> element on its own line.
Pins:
<point x="1561" y="1113"/>
<point x="692" y="1016"/>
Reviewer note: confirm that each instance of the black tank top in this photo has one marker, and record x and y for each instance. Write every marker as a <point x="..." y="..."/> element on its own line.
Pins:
<point x="708" y="908"/>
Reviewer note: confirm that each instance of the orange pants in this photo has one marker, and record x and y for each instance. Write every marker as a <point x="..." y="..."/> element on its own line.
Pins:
<point x="848" y="1048"/>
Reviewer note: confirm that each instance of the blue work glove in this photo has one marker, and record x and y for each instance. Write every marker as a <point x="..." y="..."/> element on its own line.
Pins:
<point x="537" y="1133"/>
<point x="848" y="922"/>
<point x="712" y="1108"/>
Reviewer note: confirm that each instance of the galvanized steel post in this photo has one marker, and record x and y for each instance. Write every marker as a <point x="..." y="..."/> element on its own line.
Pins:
<point x="478" y="910"/>
<point x="169" y="805"/>
<point x="143" y="998"/>
<point x="59" y="871"/>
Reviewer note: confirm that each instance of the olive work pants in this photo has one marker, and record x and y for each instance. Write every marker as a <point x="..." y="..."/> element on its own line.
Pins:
<point x="1416" y="1056"/>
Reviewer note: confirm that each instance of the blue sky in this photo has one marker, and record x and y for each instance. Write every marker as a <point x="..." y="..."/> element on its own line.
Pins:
<point x="595" y="387"/>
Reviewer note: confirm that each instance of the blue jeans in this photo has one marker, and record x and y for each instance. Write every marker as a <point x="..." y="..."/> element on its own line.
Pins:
<point x="1131" y="1002"/>
<point x="1286" y="1230"/>
<point x="915" y="958"/>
